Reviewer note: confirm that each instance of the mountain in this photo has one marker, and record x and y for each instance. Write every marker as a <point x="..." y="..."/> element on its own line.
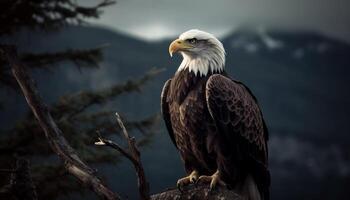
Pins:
<point x="300" y="79"/>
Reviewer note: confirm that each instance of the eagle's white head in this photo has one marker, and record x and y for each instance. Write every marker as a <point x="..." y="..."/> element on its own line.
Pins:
<point x="201" y="51"/>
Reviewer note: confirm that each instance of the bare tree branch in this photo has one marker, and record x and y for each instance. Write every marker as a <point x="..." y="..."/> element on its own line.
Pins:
<point x="58" y="143"/>
<point x="142" y="182"/>
<point x="104" y="142"/>
<point x="133" y="155"/>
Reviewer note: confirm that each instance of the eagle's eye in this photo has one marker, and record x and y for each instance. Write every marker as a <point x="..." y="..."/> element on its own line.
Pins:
<point x="192" y="40"/>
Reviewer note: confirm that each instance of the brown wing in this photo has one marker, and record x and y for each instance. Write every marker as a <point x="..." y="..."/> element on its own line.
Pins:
<point x="164" y="105"/>
<point x="239" y="119"/>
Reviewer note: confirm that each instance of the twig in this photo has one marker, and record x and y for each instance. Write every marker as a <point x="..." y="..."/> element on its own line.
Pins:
<point x="58" y="143"/>
<point x="133" y="155"/>
<point x="116" y="146"/>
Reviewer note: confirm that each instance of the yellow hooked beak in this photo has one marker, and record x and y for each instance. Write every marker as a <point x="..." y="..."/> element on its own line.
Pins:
<point x="178" y="45"/>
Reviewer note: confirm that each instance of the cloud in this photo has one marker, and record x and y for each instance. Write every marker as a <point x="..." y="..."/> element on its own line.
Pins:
<point x="318" y="160"/>
<point x="156" y="19"/>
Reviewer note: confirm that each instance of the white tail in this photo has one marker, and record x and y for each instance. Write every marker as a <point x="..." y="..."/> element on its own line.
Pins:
<point x="249" y="189"/>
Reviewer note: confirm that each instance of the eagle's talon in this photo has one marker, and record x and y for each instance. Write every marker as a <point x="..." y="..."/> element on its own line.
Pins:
<point x="192" y="178"/>
<point x="213" y="179"/>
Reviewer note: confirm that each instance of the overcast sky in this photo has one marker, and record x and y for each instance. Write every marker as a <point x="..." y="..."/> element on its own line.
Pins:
<point x="156" y="19"/>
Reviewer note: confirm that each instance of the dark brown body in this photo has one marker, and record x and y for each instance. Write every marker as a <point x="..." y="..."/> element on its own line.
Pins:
<point x="217" y="126"/>
<point x="190" y="132"/>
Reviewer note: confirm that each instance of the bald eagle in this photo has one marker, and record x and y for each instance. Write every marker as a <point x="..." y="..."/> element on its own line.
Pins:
<point x="215" y="121"/>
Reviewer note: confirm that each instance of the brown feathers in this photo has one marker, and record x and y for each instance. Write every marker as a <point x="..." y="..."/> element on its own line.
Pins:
<point x="216" y="123"/>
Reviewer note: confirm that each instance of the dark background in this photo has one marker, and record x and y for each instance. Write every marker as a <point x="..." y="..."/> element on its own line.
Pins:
<point x="298" y="71"/>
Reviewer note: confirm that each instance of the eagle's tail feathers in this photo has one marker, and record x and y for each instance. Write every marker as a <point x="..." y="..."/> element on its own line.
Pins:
<point x="250" y="189"/>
